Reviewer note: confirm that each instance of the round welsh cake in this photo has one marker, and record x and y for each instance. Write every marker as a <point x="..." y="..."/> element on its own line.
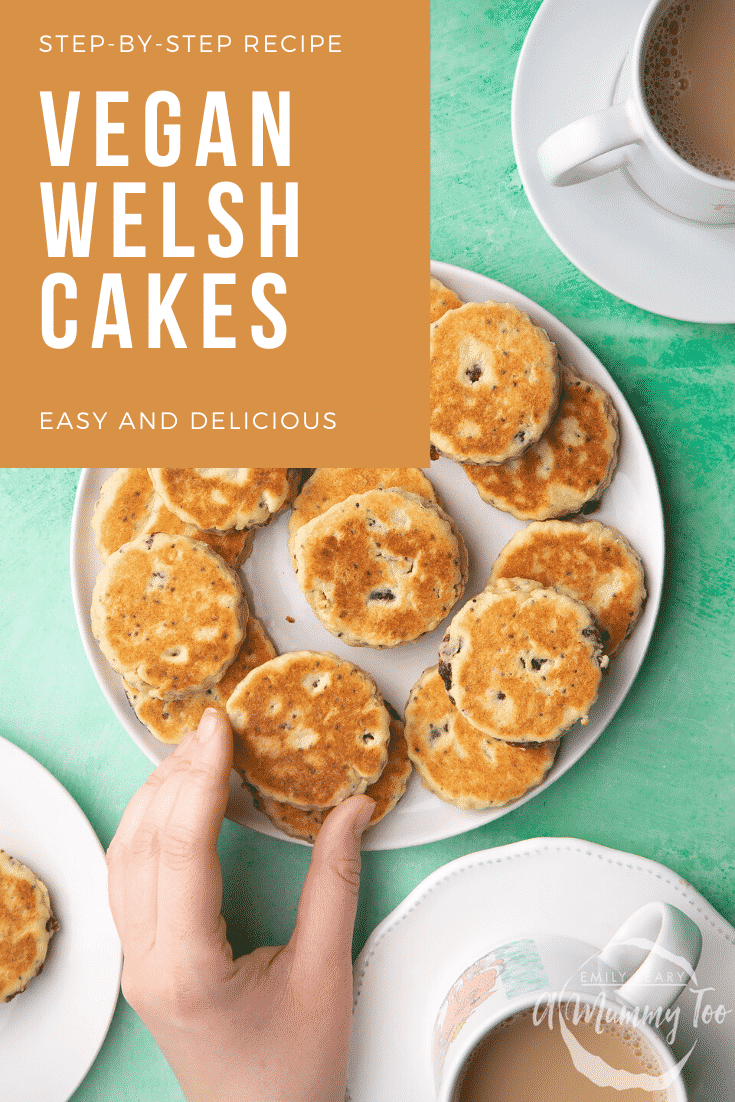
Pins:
<point x="570" y="465"/>
<point x="170" y="720"/>
<point x="128" y="507"/>
<point x="460" y="764"/>
<point x="380" y="568"/>
<point x="494" y="383"/>
<point x="329" y="485"/>
<point x="26" y="926"/>
<point x="522" y="663"/>
<point x="169" y="615"/>
<point x="225" y="497"/>
<point x="587" y="560"/>
<point x="310" y="729"/>
<point x="386" y="791"/>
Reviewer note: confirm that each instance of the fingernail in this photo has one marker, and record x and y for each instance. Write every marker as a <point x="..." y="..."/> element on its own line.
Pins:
<point x="208" y="724"/>
<point x="363" y="817"/>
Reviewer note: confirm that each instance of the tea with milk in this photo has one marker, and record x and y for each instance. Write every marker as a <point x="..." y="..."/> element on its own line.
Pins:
<point x="523" y="1059"/>
<point x="689" y="83"/>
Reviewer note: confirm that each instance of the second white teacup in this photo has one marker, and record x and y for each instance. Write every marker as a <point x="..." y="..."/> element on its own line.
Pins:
<point x="551" y="1007"/>
<point x="625" y="136"/>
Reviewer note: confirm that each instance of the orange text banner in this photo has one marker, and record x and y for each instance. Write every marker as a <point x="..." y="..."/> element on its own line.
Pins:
<point x="218" y="224"/>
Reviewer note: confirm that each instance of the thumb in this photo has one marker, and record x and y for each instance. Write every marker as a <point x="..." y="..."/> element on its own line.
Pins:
<point x="322" y="939"/>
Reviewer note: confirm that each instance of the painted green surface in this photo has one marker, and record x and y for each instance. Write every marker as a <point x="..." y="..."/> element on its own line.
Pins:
<point x="660" y="782"/>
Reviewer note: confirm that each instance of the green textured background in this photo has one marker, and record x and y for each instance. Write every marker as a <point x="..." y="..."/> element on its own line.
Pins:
<point x="660" y="782"/>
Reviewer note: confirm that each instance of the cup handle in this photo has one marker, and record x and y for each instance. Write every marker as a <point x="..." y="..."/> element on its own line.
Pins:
<point x="589" y="147"/>
<point x="663" y="945"/>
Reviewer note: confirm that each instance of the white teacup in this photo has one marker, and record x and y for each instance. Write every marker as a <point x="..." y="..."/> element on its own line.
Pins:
<point x="624" y="136"/>
<point x="632" y="982"/>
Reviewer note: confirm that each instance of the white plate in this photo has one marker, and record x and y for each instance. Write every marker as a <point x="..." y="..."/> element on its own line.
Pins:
<point x="568" y="67"/>
<point x="631" y="504"/>
<point x="51" y="1033"/>
<point x="543" y="886"/>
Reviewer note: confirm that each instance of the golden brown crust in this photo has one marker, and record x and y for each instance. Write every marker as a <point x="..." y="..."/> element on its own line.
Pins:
<point x="386" y="791"/>
<point x="571" y="465"/>
<point x="234" y="546"/>
<point x="586" y="560"/>
<point x="380" y="568"/>
<point x="221" y="498"/>
<point x="122" y="509"/>
<point x="128" y="507"/>
<point x="311" y="729"/>
<point x="329" y="485"/>
<point x="494" y="383"/>
<point x="522" y="663"/>
<point x="441" y="299"/>
<point x="26" y="926"/>
<point x="457" y="762"/>
<point x="169" y="615"/>
<point x="170" y="720"/>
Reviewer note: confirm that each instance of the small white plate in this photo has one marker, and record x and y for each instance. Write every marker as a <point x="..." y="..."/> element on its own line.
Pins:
<point x="567" y="68"/>
<point x="51" y="1033"/>
<point x="544" y="886"/>
<point x="631" y="504"/>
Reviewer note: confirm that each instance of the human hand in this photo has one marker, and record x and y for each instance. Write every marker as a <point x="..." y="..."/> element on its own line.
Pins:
<point x="272" y="1026"/>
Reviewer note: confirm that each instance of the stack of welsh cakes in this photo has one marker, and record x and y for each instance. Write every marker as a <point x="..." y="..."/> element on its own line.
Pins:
<point x="168" y="609"/>
<point x="170" y="615"/>
<point x="310" y="730"/>
<point x="521" y="662"/>
<point x="378" y="558"/>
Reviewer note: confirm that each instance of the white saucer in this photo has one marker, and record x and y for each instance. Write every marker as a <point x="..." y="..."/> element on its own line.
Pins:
<point x="545" y="885"/>
<point x="51" y="1033"/>
<point x="568" y="68"/>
